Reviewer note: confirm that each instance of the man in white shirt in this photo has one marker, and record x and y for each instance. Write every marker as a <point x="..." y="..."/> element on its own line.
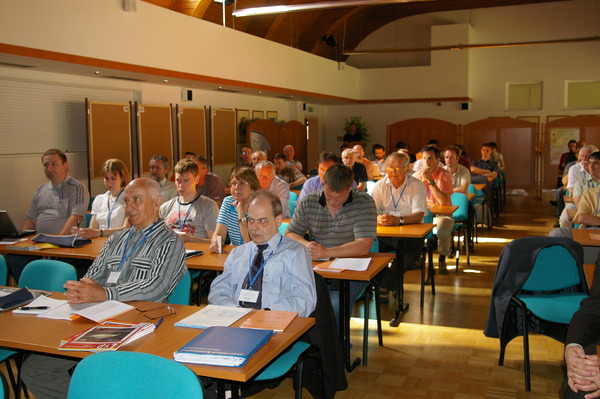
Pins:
<point x="159" y="171"/>
<point x="461" y="177"/>
<point x="265" y="171"/>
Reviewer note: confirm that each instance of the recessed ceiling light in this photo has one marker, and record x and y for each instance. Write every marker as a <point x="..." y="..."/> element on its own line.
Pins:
<point x="165" y="80"/>
<point x="96" y="72"/>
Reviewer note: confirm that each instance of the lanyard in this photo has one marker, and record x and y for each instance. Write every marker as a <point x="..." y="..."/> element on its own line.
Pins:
<point x="124" y="256"/>
<point x="252" y="279"/>
<point x="191" y="203"/>
<point x="394" y="202"/>
<point x="110" y="211"/>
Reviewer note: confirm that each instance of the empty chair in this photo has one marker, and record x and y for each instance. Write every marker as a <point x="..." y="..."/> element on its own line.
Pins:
<point x="47" y="274"/>
<point x="181" y="293"/>
<point x="132" y="374"/>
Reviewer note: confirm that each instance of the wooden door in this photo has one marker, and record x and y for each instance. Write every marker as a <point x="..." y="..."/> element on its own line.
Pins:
<point x="265" y="135"/>
<point x="417" y="133"/>
<point x="294" y="133"/>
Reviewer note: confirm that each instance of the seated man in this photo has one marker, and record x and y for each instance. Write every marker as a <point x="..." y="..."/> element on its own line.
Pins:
<point x="358" y="169"/>
<point x="438" y="184"/>
<point x="209" y="184"/>
<point x="326" y="160"/>
<point x="289" y="174"/>
<point x="340" y="221"/>
<point x="400" y="199"/>
<point x="56" y="206"/>
<point x="372" y="170"/>
<point x="258" y="156"/>
<point x="484" y="169"/>
<point x="281" y="276"/>
<point x="144" y="263"/>
<point x="159" y="171"/>
<point x="289" y="153"/>
<point x="265" y="171"/>
<point x="353" y="136"/>
<point x="192" y="215"/>
<point x="461" y="177"/>
<point x="379" y="161"/>
<point x="245" y="158"/>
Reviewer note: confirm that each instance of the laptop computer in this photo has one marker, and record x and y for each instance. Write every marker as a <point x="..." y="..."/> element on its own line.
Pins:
<point x="8" y="229"/>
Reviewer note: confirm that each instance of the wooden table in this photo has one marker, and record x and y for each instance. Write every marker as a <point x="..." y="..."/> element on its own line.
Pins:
<point x="591" y="245"/>
<point x="479" y="186"/>
<point x="30" y="333"/>
<point x="442" y="210"/>
<point x="418" y="230"/>
<point x="89" y="251"/>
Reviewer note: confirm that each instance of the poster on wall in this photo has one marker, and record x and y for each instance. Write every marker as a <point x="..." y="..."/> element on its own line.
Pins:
<point x="559" y="142"/>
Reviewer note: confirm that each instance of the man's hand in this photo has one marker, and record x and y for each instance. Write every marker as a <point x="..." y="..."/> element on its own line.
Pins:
<point x="84" y="291"/>
<point x="583" y="372"/>
<point x="388" y="220"/>
<point x="317" y="251"/>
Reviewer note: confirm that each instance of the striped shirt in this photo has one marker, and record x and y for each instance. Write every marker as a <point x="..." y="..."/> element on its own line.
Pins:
<point x="583" y="184"/>
<point x="150" y="273"/>
<point x="228" y="216"/>
<point x="356" y="219"/>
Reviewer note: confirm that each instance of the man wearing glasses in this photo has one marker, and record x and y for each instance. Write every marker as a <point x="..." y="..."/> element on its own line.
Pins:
<point x="144" y="262"/>
<point x="245" y="158"/>
<point x="269" y="272"/>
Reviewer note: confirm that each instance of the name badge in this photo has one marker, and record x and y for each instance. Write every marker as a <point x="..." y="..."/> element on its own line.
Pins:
<point x="249" y="296"/>
<point x="113" y="277"/>
<point x="395" y="214"/>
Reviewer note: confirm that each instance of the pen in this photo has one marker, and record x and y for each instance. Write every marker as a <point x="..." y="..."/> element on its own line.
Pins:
<point x="34" y="307"/>
<point x="158" y="323"/>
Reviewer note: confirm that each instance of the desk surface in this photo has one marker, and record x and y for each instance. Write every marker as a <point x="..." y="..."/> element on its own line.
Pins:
<point x="89" y="251"/>
<point x="29" y="332"/>
<point x="444" y="210"/>
<point x="479" y="186"/>
<point x="418" y="230"/>
<point x="583" y="236"/>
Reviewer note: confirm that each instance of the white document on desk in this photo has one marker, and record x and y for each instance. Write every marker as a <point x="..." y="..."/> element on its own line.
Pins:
<point x="213" y="315"/>
<point x="355" y="264"/>
<point x="41" y="301"/>
<point x="94" y="311"/>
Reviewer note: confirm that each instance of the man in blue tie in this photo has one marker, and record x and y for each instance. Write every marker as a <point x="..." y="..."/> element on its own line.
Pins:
<point x="270" y="272"/>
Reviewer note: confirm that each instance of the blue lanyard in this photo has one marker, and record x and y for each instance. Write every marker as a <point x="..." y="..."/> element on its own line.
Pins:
<point x="124" y="256"/>
<point x="110" y="211"/>
<point x="182" y="222"/>
<point x="251" y="279"/>
<point x="394" y="202"/>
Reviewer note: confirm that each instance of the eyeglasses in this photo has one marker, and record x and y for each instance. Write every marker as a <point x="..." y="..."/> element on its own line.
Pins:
<point x="245" y="152"/>
<point x="397" y="169"/>
<point x="261" y="221"/>
<point x="235" y="184"/>
<point x="157" y="312"/>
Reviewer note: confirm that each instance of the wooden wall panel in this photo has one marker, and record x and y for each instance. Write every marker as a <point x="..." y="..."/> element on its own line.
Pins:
<point x="417" y="133"/>
<point x="155" y="134"/>
<point x="192" y="131"/>
<point x="223" y="137"/>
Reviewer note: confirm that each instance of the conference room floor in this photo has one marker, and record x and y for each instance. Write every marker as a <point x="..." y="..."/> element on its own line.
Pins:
<point x="439" y="351"/>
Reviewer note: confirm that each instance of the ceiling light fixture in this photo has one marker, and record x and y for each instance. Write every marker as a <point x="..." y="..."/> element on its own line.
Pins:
<point x="247" y="12"/>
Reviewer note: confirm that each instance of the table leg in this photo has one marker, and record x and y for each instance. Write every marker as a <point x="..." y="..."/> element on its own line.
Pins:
<point x="401" y="307"/>
<point x="344" y="301"/>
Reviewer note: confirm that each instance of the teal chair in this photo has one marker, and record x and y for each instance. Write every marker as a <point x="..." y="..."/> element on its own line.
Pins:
<point x="47" y="274"/>
<point x="550" y="296"/>
<point x="461" y="219"/>
<point x="292" y="202"/>
<point x="427" y="258"/>
<point x="132" y="374"/>
<point x="181" y="293"/>
<point x="282" y="228"/>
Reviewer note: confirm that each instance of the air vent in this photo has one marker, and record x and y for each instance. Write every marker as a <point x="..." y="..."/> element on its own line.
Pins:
<point x="124" y="78"/>
<point x="285" y="97"/>
<point x="228" y="90"/>
<point x="10" y="64"/>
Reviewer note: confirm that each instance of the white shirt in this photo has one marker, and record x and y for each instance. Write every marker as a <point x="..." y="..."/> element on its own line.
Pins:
<point x="407" y="199"/>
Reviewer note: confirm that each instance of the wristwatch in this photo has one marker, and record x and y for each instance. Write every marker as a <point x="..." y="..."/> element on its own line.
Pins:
<point x="432" y="183"/>
<point x="244" y="219"/>
<point x="401" y="220"/>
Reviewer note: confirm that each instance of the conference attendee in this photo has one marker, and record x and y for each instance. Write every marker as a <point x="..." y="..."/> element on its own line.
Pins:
<point x="289" y="174"/>
<point x="340" y="221"/>
<point x="483" y="171"/>
<point x="400" y="199"/>
<point x="209" y="184"/>
<point x="359" y="170"/>
<point x="461" y="177"/>
<point x="265" y="171"/>
<point x="439" y="188"/>
<point x="496" y="156"/>
<point x="269" y="272"/>
<point x="401" y="145"/>
<point x="258" y="156"/>
<point x="231" y="221"/>
<point x="326" y="160"/>
<point x="56" y="206"/>
<point x="565" y="158"/>
<point x="190" y="214"/>
<point x="353" y="136"/>
<point x="108" y="209"/>
<point x="159" y="171"/>
<point x="245" y="158"/>
<point x="379" y="161"/>
<point x="190" y="155"/>
<point x="289" y="153"/>
<point x="372" y="170"/>
<point x="142" y="263"/>
<point x="464" y="158"/>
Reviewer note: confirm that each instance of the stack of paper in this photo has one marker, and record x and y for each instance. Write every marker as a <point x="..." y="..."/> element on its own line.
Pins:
<point x="94" y="311"/>
<point x="106" y="336"/>
<point x="341" y="264"/>
<point x="276" y="320"/>
<point x="213" y="315"/>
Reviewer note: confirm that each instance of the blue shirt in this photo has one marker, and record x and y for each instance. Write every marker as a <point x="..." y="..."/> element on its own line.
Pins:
<point x="288" y="277"/>
<point x="228" y="216"/>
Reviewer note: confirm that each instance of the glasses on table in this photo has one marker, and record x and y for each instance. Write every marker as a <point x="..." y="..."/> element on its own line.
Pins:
<point x="157" y="312"/>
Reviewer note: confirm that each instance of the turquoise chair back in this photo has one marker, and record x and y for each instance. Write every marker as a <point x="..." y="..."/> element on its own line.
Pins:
<point x="428" y="218"/>
<point x="47" y="274"/>
<point x="375" y="246"/>
<point x="460" y="200"/>
<point x="283" y="228"/>
<point x="554" y="269"/>
<point x="132" y="375"/>
<point x="3" y="271"/>
<point x="88" y="219"/>
<point x="292" y="202"/>
<point x="3" y="387"/>
<point x="181" y="293"/>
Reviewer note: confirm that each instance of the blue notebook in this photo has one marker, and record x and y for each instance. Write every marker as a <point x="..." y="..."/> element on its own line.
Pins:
<point x="223" y="346"/>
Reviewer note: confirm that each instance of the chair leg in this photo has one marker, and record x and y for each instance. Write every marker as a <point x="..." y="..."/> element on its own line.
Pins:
<point x="367" y="298"/>
<point x="526" y="367"/>
<point x="300" y="368"/>
<point x="378" y="314"/>
<point x="11" y="375"/>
